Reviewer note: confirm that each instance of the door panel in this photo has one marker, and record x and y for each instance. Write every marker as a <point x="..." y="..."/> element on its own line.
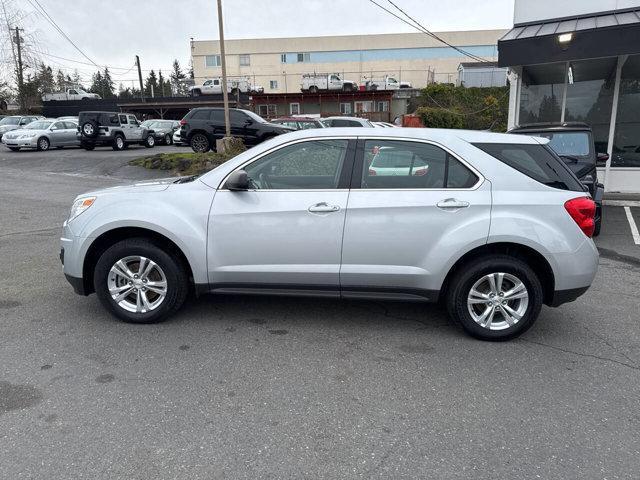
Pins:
<point x="271" y="237"/>
<point x="404" y="231"/>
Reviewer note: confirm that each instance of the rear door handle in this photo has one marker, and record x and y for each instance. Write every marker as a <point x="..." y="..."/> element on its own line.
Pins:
<point x="323" y="207"/>
<point x="451" y="204"/>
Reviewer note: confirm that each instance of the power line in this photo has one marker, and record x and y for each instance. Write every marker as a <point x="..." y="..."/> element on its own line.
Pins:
<point x="422" y="29"/>
<point x="48" y="18"/>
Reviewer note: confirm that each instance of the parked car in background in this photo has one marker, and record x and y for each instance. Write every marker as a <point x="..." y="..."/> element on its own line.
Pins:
<point x="177" y="139"/>
<point x="163" y="130"/>
<point x="406" y="85"/>
<point x="114" y="129"/>
<point x="235" y="85"/>
<point x="201" y="127"/>
<point x="42" y="135"/>
<point x="319" y="82"/>
<point x="573" y="142"/>
<point x="299" y="123"/>
<point x="14" y="122"/>
<point x="383" y="125"/>
<point x="70" y="117"/>
<point x="70" y="94"/>
<point x="461" y="232"/>
<point x="384" y="83"/>
<point x="346" y="122"/>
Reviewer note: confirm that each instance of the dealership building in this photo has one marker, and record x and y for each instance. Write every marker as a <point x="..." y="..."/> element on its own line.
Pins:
<point x="579" y="61"/>
<point x="277" y="64"/>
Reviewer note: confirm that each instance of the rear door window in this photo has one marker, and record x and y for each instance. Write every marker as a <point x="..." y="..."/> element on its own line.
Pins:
<point x="201" y="115"/>
<point x="535" y="161"/>
<point x="412" y="165"/>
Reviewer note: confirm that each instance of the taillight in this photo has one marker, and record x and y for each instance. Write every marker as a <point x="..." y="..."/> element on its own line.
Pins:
<point x="183" y="122"/>
<point x="583" y="212"/>
<point x="372" y="172"/>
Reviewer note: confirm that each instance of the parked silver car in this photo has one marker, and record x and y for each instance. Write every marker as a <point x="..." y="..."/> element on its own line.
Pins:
<point x="495" y="225"/>
<point x="42" y="135"/>
<point x="15" y="122"/>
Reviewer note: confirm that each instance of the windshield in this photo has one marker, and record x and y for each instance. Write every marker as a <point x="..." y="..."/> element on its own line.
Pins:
<point x="255" y="117"/>
<point x="38" y="125"/>
<point x="10" y="121"/>
<point x="574" y="144"/>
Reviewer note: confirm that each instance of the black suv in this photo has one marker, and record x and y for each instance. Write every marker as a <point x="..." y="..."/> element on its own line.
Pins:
<point x="201" y="127"/>
<point x="117" y="130"/>
<point x="573" y="142"/>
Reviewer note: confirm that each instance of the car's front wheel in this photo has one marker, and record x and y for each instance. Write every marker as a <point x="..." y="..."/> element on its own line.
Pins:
<point x="496" y="297"/>
<point x="43" y="144"/>
<point x="200" y="143"/>
<point x="150" y="141"/>
<point x="167" y="139"/>
<point x="118" y="142"/>
<point x="140" y="282"/>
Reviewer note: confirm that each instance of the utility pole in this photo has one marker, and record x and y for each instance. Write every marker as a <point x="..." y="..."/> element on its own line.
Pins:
<point x="140" y="77"/>
<point x="225" y="96"/>
<point x="18" y="41"/>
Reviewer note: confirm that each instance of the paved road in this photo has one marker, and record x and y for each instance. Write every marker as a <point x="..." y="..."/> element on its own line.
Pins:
<point x="242" y="387"/>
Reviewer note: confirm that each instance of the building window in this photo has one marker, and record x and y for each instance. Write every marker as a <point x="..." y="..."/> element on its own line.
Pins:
<point x="273" y="84"/>
<point x="245" y="60"/>
<point x="541" y="93"/>
<point x="268" y="111"/>
<point x="626" y="141"/>
<point x="304" y="57"/>
<point x="382" y="106"/>
<point x="363" y="107"/>
<point x="212" y="61"/>
<point x="345" y="108"/>
<point x="283" y="58"/>
<point x="294" y="109"/>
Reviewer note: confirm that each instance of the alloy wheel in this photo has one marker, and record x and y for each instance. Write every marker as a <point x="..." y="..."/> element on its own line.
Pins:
<point x="119" y="142"/>
<point x="498" y="301"/>
<point x="43" y="144"/>
<point x="199" y="143"/>
<point x="137" y="284"/>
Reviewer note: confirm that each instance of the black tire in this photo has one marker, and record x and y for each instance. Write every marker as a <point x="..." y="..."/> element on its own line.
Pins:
<point x="14" y="149"/>
<point x="199" y="143"/>
<point x="150" y="141"/>
<point x="118" y="142"/>
<point x="89" y="129"/>
<point x="43" y="144"/>
<point x="168" y="140"/>
<point x="313" y="89"/>
<point x="174" y="271"/>
<point x="195" y="92"/>
<point x="462" y="282"/>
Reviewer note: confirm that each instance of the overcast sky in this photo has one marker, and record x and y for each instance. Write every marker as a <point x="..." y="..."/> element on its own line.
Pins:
<point x="112" y="32"/>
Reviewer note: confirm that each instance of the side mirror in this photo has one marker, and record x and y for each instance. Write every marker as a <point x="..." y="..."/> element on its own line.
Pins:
<point x="238" y="181"/>
<point x="601" y="159"/>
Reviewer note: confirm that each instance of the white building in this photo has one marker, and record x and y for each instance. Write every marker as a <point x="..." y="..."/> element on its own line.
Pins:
<point x="481" y="74"/>
<point x="579" y="60"/>
<point x="277" y="64"/>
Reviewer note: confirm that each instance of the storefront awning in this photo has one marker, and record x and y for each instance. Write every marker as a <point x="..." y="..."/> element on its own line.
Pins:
<point x="576" y="38"/>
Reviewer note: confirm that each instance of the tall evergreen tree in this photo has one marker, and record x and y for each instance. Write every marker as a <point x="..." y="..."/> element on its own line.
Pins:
<point x="61" y="81"/>
<point x="177" y="78"/>
<point x="151" y="84"/>
<point x="97" y="83"/>
<point x="46" y="81"/>
<point x="108" y="87"/>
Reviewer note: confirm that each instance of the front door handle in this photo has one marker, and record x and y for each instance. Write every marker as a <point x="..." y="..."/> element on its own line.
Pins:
<point x="323" y="207"/>
<point x="451" y="204"/>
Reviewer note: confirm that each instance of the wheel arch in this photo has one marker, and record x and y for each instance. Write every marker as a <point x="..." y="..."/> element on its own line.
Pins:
<point x="101" y="243"/>
<point x="532" y="257"/>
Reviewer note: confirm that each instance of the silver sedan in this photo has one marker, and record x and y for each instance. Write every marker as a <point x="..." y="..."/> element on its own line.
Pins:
<point x="42" y="135"/>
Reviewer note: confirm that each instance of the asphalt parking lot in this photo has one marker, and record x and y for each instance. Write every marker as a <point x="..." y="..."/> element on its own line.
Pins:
<point x="253" y="387"/>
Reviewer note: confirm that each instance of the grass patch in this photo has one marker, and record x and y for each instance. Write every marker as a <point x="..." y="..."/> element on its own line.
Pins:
<point x="184" y="163"/>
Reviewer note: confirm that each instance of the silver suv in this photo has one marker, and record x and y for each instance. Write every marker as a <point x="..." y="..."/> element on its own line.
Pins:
<point x="117" y="130"/>
<point x="493" y="225"/>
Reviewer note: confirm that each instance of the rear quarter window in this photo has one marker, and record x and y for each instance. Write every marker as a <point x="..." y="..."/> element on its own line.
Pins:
<point x="535" y="161"/>
<point x="200" y="115"/>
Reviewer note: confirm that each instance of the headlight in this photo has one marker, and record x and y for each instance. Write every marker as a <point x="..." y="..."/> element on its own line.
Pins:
<point x="80" y="205"/>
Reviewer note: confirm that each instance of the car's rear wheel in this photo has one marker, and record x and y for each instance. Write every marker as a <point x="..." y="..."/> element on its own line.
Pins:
<point x="199" y="143"/>
<point x="167" y="139"/>
<point x="496" y="297"/>
<point x="43" y="144"/>
<point x="118" y="142"/>
<point x="140" y="282"/>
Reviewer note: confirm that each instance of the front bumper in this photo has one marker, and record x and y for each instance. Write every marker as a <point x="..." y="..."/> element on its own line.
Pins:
<point x="72" y="258"/>
<point x="20" y="142"/>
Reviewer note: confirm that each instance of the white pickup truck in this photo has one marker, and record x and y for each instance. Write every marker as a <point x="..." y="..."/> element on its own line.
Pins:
<point x="234" y="85"/>
<point x="70" y="94"/>
<point x="385" y="83"/>
<point x="316" y="82"/>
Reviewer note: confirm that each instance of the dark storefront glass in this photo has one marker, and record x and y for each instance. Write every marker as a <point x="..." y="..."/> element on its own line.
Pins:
<point x="541" y="93"/>
<point x="590" y="96"/>
<point x="626" y="142"/>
